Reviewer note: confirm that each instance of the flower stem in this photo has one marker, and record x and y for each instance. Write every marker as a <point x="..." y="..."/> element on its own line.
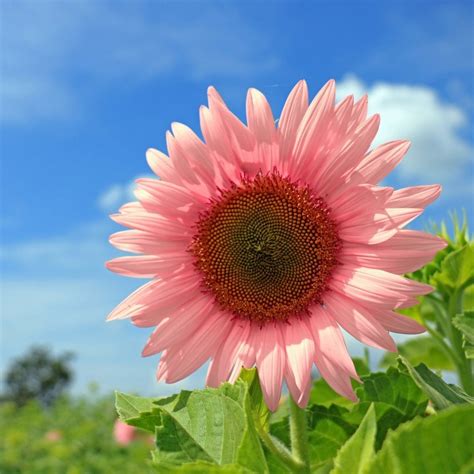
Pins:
<point x="299" y="434"/>
<point x="279" y="450"/>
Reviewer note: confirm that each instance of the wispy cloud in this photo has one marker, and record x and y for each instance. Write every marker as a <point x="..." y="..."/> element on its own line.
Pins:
<point x="116" y="195"/>
<point x="66" y="48"/>
<point x="439" y="152"/>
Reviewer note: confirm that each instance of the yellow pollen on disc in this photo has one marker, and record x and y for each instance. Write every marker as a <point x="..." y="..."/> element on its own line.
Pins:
<point x="266" y="248"/>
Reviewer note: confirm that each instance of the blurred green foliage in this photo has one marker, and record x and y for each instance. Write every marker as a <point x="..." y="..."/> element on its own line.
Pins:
<point x="73" y="436"/>
<point x="447" y="312"/>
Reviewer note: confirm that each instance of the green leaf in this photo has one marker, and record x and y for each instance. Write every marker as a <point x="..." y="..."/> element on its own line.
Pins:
<point x="328" y="431"/>
<point x="137" y="411"/>
<point x="417" y="350"/>
<point x="396" y="399"/>
<point x="257" y="403"/>
<point x="323" y="394"/>
<point x="201" y="467"/>
<point x="213" y="422"/>
<point x="211" y="425"/>
<point x="442" y="395"/>
<point x="361" y="366"/>
<point x="465" y="323"/>
<point x="355" y="456"/>
<point x="456" y="268"/>
<point x="438" y="444"/>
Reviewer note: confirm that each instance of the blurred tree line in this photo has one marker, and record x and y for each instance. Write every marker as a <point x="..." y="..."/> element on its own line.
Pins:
<point x="38" y="375"/>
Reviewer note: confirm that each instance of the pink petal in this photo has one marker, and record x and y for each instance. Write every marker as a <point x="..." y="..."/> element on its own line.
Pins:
<point x="131" y="208"/>
<point x="299" y="346"/>
<point x="180" y="362"/>
<point x="241" y="138"/>
<point x="245" y="355"/>
<point x="400" y="217"/>
<point x="381" y="161"/>
<point x="358" y="322"/>
<point x="259" y="117"/>
<point x="349" y="157"/>
<point x="357" y="202"/>
<point x="148" y="266"/>
<point x="140" y="297"/>
<point x="217" y="139"/>
<point x="139" y="241"/>
<point x="395" y="322"/>
<point x="405" y="252"/>
<point x="290" y="119"/>
<point x="377" y="227"/>
<point x="199" y="157"/>
<point x="178" y="327"/>
<point x="377" y="287"/>
<point x="312" y="127"/>
<point x="160" y="226"/>
<point x="414" y="196"/>
<point x="223" y="361"/>
<point x="161" y="165"/>
<point x="169" y="194"/>
<point x="271" y="362"/>
<point x="180" y="162"/>
<point x="328" y="340"/>
<point x="300" y="396"/>
<point x="359" y="114"/>
<point x="334" y="376"/>
<point x="170" y="296"/>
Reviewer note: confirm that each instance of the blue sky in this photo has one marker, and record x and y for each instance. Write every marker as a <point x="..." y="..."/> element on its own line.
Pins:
<point x="87" y="86"/>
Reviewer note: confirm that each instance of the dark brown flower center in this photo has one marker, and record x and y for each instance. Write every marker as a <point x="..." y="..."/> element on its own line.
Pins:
<point x="266" y="248"/>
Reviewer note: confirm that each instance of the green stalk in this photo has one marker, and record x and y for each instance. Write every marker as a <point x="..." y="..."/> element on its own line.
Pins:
<point x="279" y="450"/>
<point x="466" y="376"/>
<point x="299" y="435"/>
<point x="464" y="365"/>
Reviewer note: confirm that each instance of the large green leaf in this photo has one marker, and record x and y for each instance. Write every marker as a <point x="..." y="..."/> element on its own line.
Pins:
<point x="328" y="431"/>
<point x="199" y="467"/>
<point x="396" y="399"/>
<point x="456" y="268"/>
<point x="441" y="394"/>
<point x="417" y="350"/>
<point x="438" y="444"/>
<point x="465" y="323"/>
<point x="211" y="425"/>
<point x="355" y="456"/>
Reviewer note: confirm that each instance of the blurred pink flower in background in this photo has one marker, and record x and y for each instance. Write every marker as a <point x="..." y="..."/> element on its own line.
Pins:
<point x="123" y="433"/>
<point x="53" y="435"/>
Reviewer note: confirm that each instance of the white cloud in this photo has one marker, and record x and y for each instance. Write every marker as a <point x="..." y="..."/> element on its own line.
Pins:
<point x="66" y="49"/>
<point x="439" y="151"/>
<point x="116" y="195"/>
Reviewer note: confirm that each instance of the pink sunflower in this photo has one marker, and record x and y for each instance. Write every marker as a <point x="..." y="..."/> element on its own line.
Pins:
<point x="266" y="239"/>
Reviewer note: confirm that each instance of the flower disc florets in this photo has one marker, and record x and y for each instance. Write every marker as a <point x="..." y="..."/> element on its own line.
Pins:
<point x="266" y="248"/>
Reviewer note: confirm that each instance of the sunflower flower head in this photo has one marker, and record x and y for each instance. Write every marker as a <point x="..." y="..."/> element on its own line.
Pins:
<point x="265" y="239"/>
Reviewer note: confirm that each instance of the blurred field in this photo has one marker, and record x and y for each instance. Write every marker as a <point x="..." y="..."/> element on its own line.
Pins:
<point x="73" y="436"/>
